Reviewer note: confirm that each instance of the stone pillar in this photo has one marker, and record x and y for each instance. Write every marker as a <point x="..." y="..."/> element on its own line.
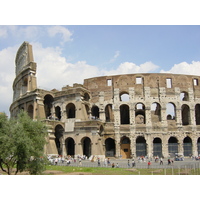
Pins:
<point x="78" y="146"/>
<point x="180" y="146"/>
<point x="194" y="146"/>
<point x="117" y="141"/>
<point x="165" y="148"/>
<point x="149" y="146"/>
<point x="133" y="147"/>
<point x="64" y="153"/>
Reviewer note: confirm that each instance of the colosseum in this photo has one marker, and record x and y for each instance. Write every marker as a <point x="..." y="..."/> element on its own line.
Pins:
<point x="114" y="116"/>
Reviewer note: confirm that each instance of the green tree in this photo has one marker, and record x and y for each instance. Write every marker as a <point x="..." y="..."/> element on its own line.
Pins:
<point x="22" y="142"/>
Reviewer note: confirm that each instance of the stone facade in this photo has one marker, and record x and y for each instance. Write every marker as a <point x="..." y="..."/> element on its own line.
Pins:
<point x="122" y="115"/>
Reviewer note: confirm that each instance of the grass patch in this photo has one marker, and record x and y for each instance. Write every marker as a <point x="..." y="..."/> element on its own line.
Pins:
<point x="115" y="171"/>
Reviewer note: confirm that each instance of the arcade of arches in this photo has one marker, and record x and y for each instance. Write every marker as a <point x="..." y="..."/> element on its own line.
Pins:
<point x="128" y="148"/>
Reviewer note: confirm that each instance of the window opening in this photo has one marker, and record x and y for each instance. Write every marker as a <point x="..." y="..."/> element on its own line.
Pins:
<point x="138" y="80"/>
<point x="124" y="97"/>
<point x="169" y="82"/>
<point x="195" y="82"/>
<point x="184" y="96"/>
<point x="170" y="111"/>
<point x="109" y="82"/>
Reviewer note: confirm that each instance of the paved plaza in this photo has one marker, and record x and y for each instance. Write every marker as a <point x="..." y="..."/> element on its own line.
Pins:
<point x="127" y="163"/>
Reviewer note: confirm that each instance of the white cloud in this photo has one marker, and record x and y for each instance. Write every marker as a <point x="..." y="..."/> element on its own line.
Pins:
<point x="7" y="75"/>
<point x="36" y="33"/>
<point x="129" y="68"/>
<point x="54" y="71"/>
<point x="185" y="68"/>
<point x="117" y="53"/>
<point x="65" y="33"/>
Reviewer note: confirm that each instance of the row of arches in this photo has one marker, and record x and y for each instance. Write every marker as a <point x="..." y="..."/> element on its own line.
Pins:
<point x="140" y="111"/>
<point x="157" y="150"/>
<point x="156" y="114"/>
<point x="125" y="145"/>
<point x="125" y="97"/>
<point x="70" y="107"/>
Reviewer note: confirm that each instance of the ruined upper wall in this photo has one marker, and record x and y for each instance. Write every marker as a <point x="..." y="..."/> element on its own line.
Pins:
<point x="23" y="57"/>
<point x="155" y="81"/>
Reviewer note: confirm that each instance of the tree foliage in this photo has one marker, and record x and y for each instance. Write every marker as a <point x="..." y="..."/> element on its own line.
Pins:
<point x="22" y="142"/>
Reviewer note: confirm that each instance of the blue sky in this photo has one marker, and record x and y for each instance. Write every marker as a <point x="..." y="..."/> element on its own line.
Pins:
<point x="68" y="54"/>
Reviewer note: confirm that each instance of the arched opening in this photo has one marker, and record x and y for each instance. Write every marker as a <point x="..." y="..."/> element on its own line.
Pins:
<point x="86" y="97"/>
<point x="172" y="145"/>
<point x="124" y="96"/>
<point x="198" y="146"/>
<point x="140" y="113"/>
<point x="110" y="147"/>
<point x="171" y="111"/>
<point x="187" y="146"/>
<point x="124" y="114"/>
<point x="58" y="112"/>
<point x="155" y="112"/>
<point x="109" y="113"/>
<point x="197" y="114"/>
<point x="86" y="144"/>
<point x="184" y="96"/>
<point x="141" y="147"/>
<point x="125" y="150"/>
<point x="30" y="111"/>
<point x="70" y="146"/>
<point x="48" y="100"/>
<point x="185" y="113"/>
<point x="71" y="110"/>
<point x="157" y="147"/>
<point x="59" y="131"/>
<point x="95" y="112"/>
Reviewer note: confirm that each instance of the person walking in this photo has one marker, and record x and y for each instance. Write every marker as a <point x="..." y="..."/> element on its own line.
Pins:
<point x="149" y="163"/>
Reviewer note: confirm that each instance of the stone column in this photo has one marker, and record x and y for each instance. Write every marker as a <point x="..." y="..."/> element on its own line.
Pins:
<point x="194" y="146"/>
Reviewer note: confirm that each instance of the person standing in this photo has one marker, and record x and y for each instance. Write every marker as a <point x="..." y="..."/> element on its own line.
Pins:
<point x="128" y="163"/>
<point x="161" y="161"/>
<point x="98" y="162"/>
<point x="80" y="163"/>
<point x="133" y="163"/>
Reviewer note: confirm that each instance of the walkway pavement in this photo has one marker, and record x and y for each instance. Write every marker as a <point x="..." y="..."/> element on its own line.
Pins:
<point x="123" y="163"/>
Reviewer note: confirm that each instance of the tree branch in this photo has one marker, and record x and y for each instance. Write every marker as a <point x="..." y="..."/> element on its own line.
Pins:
<point x="1" y="161"/>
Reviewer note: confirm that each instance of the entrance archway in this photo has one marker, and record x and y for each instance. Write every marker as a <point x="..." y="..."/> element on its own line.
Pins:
<point x="125" y="150"/>
<point x="70" y="146"/>
<point x="110" y="147"/>
<point x="172" y="145"/>
<point x="157" y="147"/>
<point x="59" y="130"/>
<point x="86" y="144"/>
<point x="141" y="147"/>
<point x="187" y="146"/>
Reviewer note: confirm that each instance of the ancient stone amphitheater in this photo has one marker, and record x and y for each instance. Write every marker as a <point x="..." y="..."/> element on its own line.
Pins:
<point x="123" y="115"/>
